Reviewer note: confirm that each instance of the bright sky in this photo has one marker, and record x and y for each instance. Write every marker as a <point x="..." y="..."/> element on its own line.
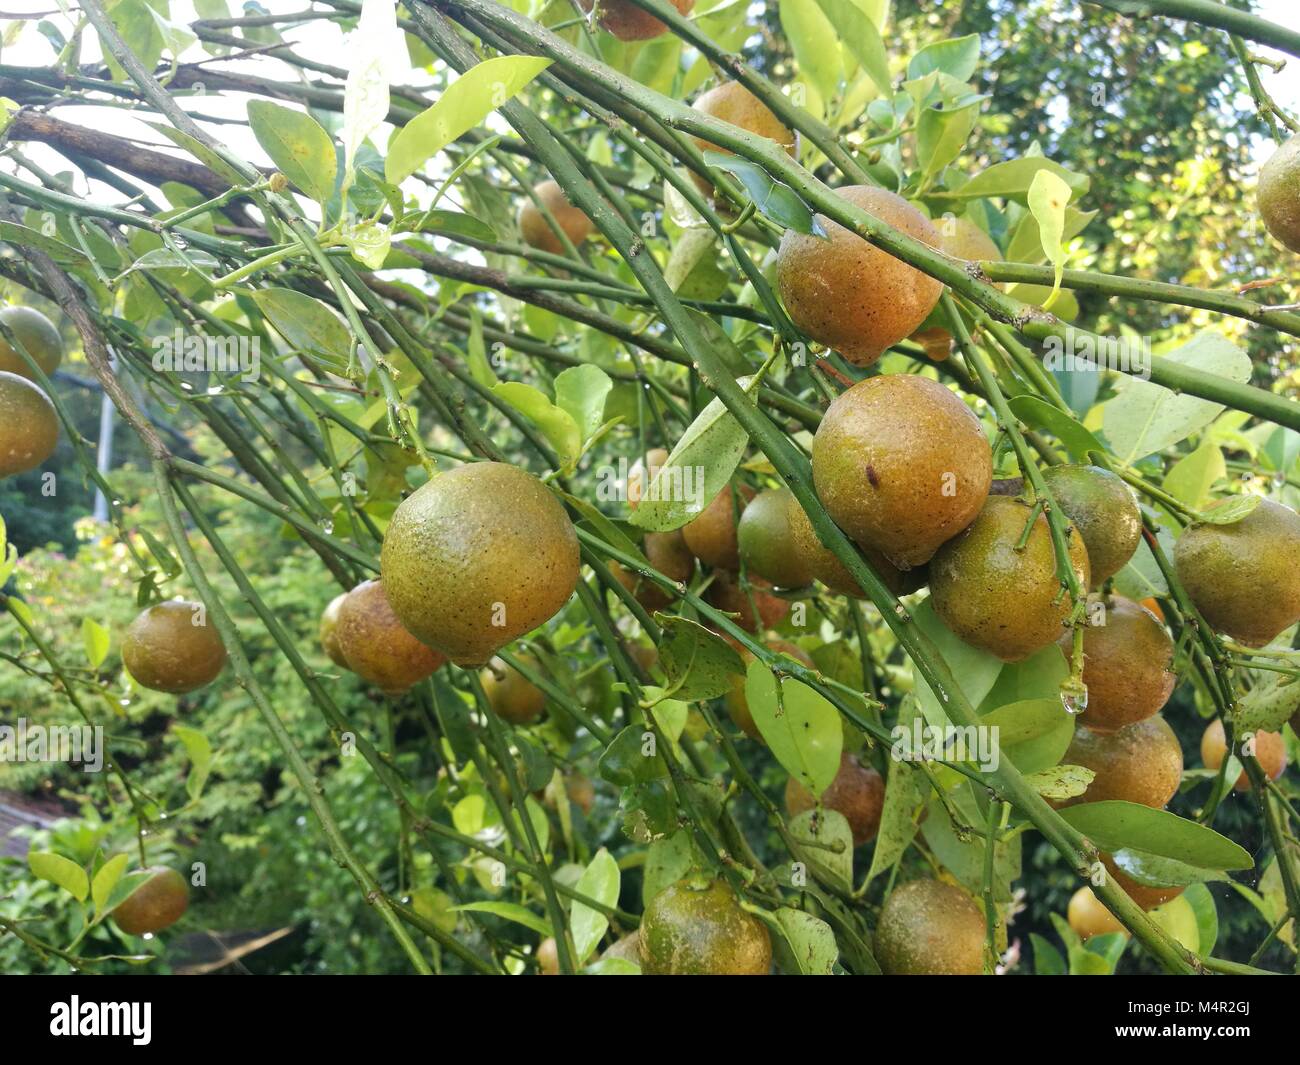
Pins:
<point x="324" y="41"/>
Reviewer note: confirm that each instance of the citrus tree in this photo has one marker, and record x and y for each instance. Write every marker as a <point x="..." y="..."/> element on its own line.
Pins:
<point x="612" y="491"/>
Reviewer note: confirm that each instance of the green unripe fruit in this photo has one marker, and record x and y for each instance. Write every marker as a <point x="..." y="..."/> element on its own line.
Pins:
<point x="477" y="557"/>
<point x="697" y="927"/>
<point x="999" y="595"/>
<point x="156" y="904"/>
<point x="1127" y="664"/>
<point x="1245" y="577"/>
<point x="767" y="546"/>
<point x="1103" y="510"/>
<point x="34" y="332"/>
<point x="1278" y="194"/>
<point x="929" y="928"/>
<point x="29" y="426"/>
<point x="171" y="647"/>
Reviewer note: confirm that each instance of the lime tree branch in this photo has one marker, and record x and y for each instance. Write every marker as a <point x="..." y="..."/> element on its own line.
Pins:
<point x="1208" y="13"/>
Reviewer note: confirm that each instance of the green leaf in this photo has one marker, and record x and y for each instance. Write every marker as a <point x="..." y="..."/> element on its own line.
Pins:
<point x="480" y="368"/>
<point x="773" y="199"/>
<point x="942" y="133"/>
<point x="699" y="467"/>
<point x="1026" y="244"/>
<point x="599" y="881"/>
<point x="1060" y="782"/>
<point x="309" y="326"/>
<point x="1034" y="733"/>
<point x="1047" y="959"/>
<point x="1192" y="477"/>
<point x="1230" y="512"/>
<point x="814" y="43"/>
<point x="466" y="103"/>
<point x="101" y="888"/>
<point x="299" y="148"/>
<point x="199" y="750"/>
<point x="1200" y="900"/>
<point x="581" y="390"/>
<point x="975" y="670"/>
<point x="451" y="224"/>
<point x="1039" y="414"/>
<point x="1146" y="418"/>
<point x="811" y="940"/>
<point x="823" y="841"/>
<point x="511" y="911"/>
<point x="1048" y="197"/>
<point x="699" y="663"/>
<point x="801" y="727"/>
<point x="557" y="425"/>
<point x="904" y="789"/>
<point x="59" y="870"/>
<point x="1152" y="870"/>
<point x="860" y="36"/>
<point x="1113" y="825"/>
<point x="94" y="638"/>
<point x="64" y="254"/>
<point x="667" y="861"/>
<point x="957" y="57"/>
<point x="625" y="763"/>
<point x="1013" y="179"/>
<point x="1268" y="706"/>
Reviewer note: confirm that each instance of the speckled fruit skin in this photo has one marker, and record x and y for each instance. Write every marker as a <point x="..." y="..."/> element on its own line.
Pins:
<point x="329" y="639"/>
<point x="929" y="928"/>
<point x="534" y="230"/>
<point x="37" y="334"/>
<point x="849" y="294"/>
<point x="901" y="465"/>
<point x="511" y="695"/>
<point x="997" y="597"/>
<point x="1103" y="509"/>
<point x="732" y="102"/>
<point x="737" y="702"/>
<point x="1278" y="194"/>
<point x="711" y="535"/>
<point x="1270" y="752"/>
<point x="1140" y="763"/>
<point x="1126" y="666"/>
<point x="29" y="427"/>
<point x="726" y="594"/>
<point x="766" y="544"/>
<point x="857" y="792"/>
<point x="1088" y="915"/>
<point x="1146" y="896"/>
<point x="697" y="928"/>
<point x="376" y="645"/>
<point x="480" y="544"/>
<point x="666" y="552"/>
<point x="628" y="22"/>
<point x="1245" y="578"/>
<point x="166" y="652"/>
<point x="832" y="572"/>
<point x="156" y="904"/>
